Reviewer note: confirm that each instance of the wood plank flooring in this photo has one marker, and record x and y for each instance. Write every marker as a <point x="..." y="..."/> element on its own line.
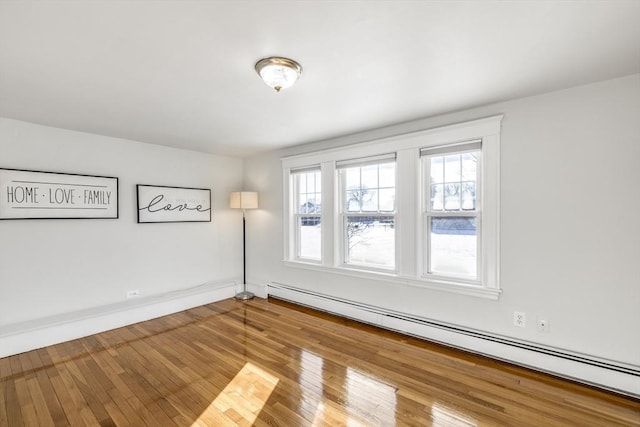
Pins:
<point x="270" y="363"/>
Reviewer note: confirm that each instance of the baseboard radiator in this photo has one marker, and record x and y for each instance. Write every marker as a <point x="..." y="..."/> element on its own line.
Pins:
<point x="608" y="374"/>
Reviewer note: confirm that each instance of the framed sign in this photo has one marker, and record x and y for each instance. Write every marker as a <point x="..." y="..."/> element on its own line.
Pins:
<point x="26" y="194"/>
<point x="173" y="204"/>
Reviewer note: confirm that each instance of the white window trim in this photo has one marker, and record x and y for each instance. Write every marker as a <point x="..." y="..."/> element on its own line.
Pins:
<point x="296" y="216"/>
<point x="426" y="213"/>
<point x="409" y="213"/>
<point x="342" y="213"/>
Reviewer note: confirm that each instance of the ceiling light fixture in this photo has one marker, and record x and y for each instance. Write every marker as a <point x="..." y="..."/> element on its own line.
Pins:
<point x="278" y="73"/>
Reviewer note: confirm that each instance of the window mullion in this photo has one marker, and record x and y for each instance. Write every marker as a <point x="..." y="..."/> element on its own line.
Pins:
<point x="327" y="217"/>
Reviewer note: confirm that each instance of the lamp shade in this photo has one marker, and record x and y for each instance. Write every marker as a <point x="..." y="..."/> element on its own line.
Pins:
<point x="244" y="200"/>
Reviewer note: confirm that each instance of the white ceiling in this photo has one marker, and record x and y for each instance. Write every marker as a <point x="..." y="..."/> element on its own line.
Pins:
<point x="180" y="73"/>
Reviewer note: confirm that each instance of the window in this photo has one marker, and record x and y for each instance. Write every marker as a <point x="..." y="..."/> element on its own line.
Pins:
<point x="367" y="211"/>
<point x="452" y="222"/>
<point x="307" y="208"/>
<point x="418" y="209"/>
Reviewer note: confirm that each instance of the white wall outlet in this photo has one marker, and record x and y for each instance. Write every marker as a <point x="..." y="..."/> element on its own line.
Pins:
<point x="519" y="319"/>
<point x="542" y="325"/>
<point x="133" y="293"/>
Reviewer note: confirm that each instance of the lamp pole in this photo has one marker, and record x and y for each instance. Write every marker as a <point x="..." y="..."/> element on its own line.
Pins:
<point x="244" y="250"/>
<point x="245" y="294"/>
<point x="244" y="200"/>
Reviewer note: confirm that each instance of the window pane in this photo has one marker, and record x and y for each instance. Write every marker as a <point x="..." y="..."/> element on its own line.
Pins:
<point x="354" y="199"/>
<point x="352" y="178"/>
<point x="387" y="175"/>
<point x="369" y="200"/>
<point x="310" y="205"/>
<point x="452" y="197"/>
<point x="309" y="229"/>
<point x="453" y="182"/>
<point x="469" y="164"/>
<point x="468" y="196"/>
<point x="452" y="168"/>
<point x="308" y="192"/>
<point x="364" y="191"/>
<point x="370" y="176"/>
<point x="437" y="197"/>
<point x="302" y="182"/>
<point x="453" y="246"/>
<point x="371" y="241"/>
<point x="387" y="200"/>
<point x="437" y="169"/>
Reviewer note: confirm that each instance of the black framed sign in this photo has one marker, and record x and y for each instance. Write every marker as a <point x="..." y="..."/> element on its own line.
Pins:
<point x="26" y="194"/>
<point x="173" y="204"/>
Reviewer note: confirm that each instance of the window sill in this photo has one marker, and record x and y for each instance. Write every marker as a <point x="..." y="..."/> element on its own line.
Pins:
<point x="440" y="285"/>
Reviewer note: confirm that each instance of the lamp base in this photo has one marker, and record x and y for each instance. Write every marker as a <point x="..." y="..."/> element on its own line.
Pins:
<point x="244" y="296"/>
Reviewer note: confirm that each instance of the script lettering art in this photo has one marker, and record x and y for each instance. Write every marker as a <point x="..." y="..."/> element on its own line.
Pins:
<point x="173" y="204"/>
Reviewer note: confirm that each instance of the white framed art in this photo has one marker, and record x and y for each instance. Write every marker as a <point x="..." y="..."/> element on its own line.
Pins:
<point x="27" y="194"/>
<point x="158" y="203"/>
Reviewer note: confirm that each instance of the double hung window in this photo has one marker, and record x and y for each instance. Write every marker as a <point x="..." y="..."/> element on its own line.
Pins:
<point x="367" y="211"/>
<point x="307" y="208"/>
<point x="451" y="210"/>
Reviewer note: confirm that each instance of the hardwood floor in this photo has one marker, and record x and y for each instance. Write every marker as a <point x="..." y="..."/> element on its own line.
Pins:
<point x="270" y="363"/>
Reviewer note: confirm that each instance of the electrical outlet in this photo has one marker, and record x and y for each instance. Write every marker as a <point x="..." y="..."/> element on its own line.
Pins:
<point x="133" y="293"/>
<point x="519" y="319"/>
<point x="542" y="325"/>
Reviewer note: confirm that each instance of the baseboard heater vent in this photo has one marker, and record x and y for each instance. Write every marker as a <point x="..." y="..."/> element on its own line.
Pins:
<point x="304" y="297"/>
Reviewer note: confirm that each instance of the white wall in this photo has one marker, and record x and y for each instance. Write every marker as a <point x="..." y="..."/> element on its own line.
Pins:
<point x="52" y="267"/>
<point x="570" y="231"/>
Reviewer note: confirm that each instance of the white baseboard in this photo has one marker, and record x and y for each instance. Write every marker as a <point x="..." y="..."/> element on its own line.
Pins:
<point x="261" y="291"/>
<point x="25" y="336"/>
<point x="607" y="374"/>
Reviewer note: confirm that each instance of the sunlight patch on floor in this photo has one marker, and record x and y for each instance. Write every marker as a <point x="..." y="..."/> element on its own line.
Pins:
<point x="240" y="403"/>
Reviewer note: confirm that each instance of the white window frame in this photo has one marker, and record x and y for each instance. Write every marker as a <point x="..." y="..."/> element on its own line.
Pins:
<point x="344" y="215"/>
<point x="410" y="226"/>
<point x="428" y="212"/>
<point x="296" y="231"/>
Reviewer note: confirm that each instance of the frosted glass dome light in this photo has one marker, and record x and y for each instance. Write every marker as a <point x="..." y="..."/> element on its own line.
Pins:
<point x="278" y="73"/>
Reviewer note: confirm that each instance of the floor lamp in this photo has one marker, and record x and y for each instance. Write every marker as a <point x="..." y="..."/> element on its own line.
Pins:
<point x="244" y="200"/>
